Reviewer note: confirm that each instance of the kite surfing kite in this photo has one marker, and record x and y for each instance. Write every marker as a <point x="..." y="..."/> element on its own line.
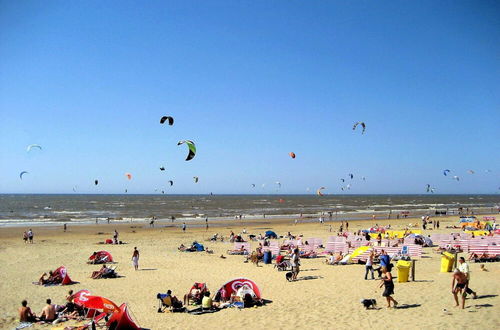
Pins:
<point x="318" y="192"/>
<point x="129" y="176"/>
<point x="253" y="185"/>
<point x="167" y="118"/>
<point x="162" y="168"/>
<point x="96" y="182"/>
<point x="456" y="178"/>
<point x="292" y="154"/>
<point x="171" y="182"/>
<point x="195" y="178"/>
<point x="343" y="180"/>
<point x="429" y="188"/>
<point x="22" y="173"/>
<point x="362" y="125"/>
<point x="279" y="184"/>
<point x="351" y="176"/>
<point x="191" y="146"/>
<point x="445" y="172"/>
<point x="471" y="172"/>
<point x="31" y="146"/>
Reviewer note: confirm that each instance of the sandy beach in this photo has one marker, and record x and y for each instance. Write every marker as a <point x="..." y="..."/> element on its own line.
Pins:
<point x="324" y="297"/>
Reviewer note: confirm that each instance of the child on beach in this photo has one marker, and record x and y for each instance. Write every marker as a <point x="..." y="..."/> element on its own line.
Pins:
<point x="135" y="258"/>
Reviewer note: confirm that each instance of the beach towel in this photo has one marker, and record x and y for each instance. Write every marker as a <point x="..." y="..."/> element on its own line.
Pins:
<point x="23" y="325"/>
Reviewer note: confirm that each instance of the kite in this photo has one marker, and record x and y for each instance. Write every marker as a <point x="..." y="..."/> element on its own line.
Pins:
<point x="165" y="118"/>
<point x="31" y="146"/>
<point x="191" y="146"/>
<point x="171" y="182"/>
<point x="96" y="182"/>
<point x="351" y="176"/>
<point x="253" y="185"/>
<point x="471" y="172"/>
<point x="162" y="168"/>
<point x="292" y="154"/>
<point x="445" y="172"/>
<point x="195" y="178"/>
<point x="279" y="184"/>
<point x="343" y="180"/>
<point x="456" y="178"/>
<point x="362" y="125"/>
<point x="22" y="173"/>
<point x="129" y="176"/>
<point x="318" y="192"/>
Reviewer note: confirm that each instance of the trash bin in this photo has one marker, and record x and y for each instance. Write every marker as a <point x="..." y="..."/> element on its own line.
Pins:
<point x="268" y="257"/>
<point x="403" y="267"/>
<point x="447" y="260"/>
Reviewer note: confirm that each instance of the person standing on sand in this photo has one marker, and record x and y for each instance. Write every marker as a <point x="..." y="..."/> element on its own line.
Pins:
<point x="346" y="226"/>
<point x="369" y="265"/>
<point x="461" y="286"/>
<point x="135" y="258"/>
<point x="65" y="227"/>
<point x="25" y="237"/>
<point x="389" y="287"/>
<point x="30" y="236"/>
<point x="295" y="262"/>
<point x="115" y="237"/>
<point x="183" y="227"/>
<point x="464" y="268"/>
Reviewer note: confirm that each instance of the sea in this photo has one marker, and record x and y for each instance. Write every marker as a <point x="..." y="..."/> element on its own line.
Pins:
<point x="53" y="209"/>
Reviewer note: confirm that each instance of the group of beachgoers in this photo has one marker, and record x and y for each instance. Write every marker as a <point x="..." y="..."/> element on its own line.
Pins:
<point x="199" y="295"/>
<point x="28" y="236"/>
<point x="51" y="313"/>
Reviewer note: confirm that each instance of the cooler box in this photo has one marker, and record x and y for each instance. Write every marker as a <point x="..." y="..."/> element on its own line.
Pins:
<point x="403" y="267"/>
<point x="268" y="257"/>
<point x="447" y="260"/>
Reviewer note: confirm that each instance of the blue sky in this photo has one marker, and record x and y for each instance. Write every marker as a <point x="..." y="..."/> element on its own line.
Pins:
<point x="249" y="81"/>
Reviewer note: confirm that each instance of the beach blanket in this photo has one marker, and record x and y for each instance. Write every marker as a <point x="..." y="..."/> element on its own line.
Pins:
<point x="23" y="325"/>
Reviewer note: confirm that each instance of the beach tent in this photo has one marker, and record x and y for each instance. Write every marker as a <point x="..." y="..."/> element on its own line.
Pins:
<point x="224" y="293"/>
<point x="271" y="234"/>
<point x="63" y="273"/>
<point x="121" y="320"/>
<point x="101" y="257"/>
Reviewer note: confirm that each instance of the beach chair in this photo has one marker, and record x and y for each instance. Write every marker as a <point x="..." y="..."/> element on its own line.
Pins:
<point x="165" y="301"/>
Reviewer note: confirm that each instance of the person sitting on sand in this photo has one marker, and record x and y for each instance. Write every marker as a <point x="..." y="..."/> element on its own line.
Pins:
<point x="25" y="313"/>
<point x="182" y="248"/>
<point x="98" y="273"/>
<point x="207" y="302"/>
<point x="48" y="312"/>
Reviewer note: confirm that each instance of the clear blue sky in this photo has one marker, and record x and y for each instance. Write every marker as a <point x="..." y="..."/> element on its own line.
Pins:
<point x="249" y="81"/>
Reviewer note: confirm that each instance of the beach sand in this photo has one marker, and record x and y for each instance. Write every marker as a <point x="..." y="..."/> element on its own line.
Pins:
<point x="325" y="297"/>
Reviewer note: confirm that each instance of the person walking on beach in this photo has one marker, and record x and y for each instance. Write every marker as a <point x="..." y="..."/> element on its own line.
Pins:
<point x="464" y="268"/>
<point x="461" y="286"/>
<point x="295" y="262"/>
<point x="135" y="258"/>
<point x="25" y="237"/>
<point x="369" y="265"/>
<point x="65" y="227"/>
<point x="115" y="237"/>
<point x="30" y="236"/>
<point x="388" y="285"/>
<point x="346" y="226"/>
<point x="183" y="227"/>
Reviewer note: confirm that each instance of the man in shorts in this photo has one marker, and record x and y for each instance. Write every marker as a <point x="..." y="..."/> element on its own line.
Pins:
<point x="460" y="288"/>
<point x="25" y="313"/>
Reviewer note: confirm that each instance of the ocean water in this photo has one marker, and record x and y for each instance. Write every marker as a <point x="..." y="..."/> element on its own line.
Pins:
<point x="40" y="209"/>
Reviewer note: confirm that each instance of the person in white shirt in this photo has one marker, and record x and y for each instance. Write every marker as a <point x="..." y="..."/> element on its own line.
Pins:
<point x="464" y="268"/>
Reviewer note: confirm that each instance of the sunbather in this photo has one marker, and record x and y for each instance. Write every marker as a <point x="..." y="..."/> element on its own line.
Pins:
<point x="25" y="313"/>
<point x="240" y="251"/>
<point x="334" y="260"/>
<point x="104" y="272"/>
<point x="48" y="312"/>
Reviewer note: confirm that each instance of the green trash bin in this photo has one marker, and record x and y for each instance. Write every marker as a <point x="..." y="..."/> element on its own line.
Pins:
<point x="447" y="261"/>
